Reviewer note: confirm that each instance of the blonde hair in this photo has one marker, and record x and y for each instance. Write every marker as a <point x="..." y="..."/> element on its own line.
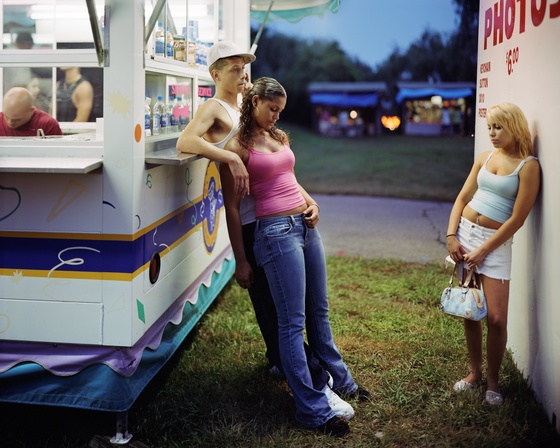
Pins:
<point x="218" y="65"/>
<point x="512" y="120"/>
<point x="222" y="63"/>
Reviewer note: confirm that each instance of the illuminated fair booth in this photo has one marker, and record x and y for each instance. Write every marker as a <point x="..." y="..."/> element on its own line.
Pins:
<point x="436" y="108"/>
<point x="347" y="109"/>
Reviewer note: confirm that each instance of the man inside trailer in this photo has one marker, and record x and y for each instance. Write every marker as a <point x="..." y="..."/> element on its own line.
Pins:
<point x="21" y="118"/>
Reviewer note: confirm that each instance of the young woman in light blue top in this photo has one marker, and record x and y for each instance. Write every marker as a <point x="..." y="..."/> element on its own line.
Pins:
<point x="492" y="205"/>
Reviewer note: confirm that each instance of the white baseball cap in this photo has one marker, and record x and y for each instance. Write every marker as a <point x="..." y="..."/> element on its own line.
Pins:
<point x="227" y="49"/>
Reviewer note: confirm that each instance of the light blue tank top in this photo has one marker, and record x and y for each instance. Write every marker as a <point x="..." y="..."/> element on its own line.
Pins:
<point x="247" y="206"/>
<point x="496" y="194"/>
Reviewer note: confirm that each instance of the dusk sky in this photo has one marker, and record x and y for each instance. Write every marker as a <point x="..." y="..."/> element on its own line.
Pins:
<point x="371" y="29"/>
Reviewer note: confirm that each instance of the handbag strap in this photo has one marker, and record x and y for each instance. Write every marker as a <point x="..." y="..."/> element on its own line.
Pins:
<point x="467" y="280"/>
<point x="468" y="277"/>
<point x="452" y="275"/>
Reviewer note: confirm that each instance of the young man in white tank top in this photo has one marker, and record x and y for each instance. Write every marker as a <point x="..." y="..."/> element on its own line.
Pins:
<point x="214" y="123"/>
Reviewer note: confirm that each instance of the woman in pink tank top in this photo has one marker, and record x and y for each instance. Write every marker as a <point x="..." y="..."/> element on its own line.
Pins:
<point x="289" y="249"/>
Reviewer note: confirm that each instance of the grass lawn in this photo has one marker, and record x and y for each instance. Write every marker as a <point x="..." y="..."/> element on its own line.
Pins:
<point x="216" y="393"/>
<point x="429" y="168"/>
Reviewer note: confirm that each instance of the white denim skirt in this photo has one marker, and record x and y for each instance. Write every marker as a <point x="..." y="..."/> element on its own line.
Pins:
<point x="497" y="264"/>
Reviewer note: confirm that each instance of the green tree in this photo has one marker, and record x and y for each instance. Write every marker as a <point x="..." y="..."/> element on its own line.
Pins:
<point x="295" y="63"/>
<point x="463" y="46"/>
<point x="432" y="57"/>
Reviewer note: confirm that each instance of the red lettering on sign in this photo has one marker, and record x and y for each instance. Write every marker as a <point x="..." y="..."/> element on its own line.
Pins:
<point x="482" y="112"/>
<point x="487" y="26"/>
<point x="522" y="9"/>
<point x="555" y="10"/>
<point x="502" y="18"/>
<point x="177" y="89"/>
<point x="510" y="18"/>
<point x="498" y="23"/>
<point x="537" y="14"/>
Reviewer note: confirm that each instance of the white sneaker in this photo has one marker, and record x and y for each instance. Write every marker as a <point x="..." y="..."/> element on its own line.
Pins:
<point x="463" y="386"/>
<point x="341" y="408"/>
<point x="338" y="405"/>
<point x="493" y="398"/>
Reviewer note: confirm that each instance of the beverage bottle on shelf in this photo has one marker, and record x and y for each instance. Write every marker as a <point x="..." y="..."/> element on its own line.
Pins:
<point x="158" y="112"/>
<point x="159" y="40"/>
<point x="147" y="117"/>
<point x="163" y="124"/>
<point x="191" y="54"/>
<point x="172" y="122"/>
<point x="169" y="44"/>
<point x="181" y="112"/>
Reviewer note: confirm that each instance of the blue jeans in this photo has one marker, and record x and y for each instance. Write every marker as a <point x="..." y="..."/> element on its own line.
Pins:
<point x="265" y="312"/>
<point x="294" y="261"/>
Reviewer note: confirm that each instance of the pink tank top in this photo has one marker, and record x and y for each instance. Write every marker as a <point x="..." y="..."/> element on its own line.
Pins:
<point x="273" y="182"/>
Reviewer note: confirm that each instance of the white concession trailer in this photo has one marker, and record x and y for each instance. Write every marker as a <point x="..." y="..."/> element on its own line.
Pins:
<point x="113" y="245"/>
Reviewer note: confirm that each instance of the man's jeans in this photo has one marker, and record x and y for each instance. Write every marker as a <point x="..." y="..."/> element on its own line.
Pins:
<point x="293" y="258"/>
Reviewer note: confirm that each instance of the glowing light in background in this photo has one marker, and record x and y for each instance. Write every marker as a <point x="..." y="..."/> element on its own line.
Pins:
<point x="390" y="122"/>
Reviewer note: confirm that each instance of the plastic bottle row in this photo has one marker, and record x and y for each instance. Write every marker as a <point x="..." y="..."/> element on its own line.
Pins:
<point x="165" y="118"/>
<point x="165" y="44"/>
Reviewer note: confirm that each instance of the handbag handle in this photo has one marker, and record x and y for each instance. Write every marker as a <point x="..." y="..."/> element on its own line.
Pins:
<point x="467" y="280"/>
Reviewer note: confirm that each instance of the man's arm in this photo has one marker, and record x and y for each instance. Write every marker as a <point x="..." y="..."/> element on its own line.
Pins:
<point x="243" y="271"/>
<point x="192" y="141"/>
<point x="83" y="101"/>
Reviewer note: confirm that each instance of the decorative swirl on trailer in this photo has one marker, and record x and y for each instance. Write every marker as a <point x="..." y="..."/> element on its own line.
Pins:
<point x="16" y="191"/>
<point x="72" y="261"/>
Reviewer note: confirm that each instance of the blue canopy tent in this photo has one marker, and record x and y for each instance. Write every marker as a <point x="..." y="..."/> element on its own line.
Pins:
<point x="345" y="99"/>
<point x="423" y="105"/>
<point x="363" y="99"/>
<point x="446" y="94"/>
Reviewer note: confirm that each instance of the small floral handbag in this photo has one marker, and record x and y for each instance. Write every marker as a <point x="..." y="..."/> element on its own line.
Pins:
<point x="465" y="300"/>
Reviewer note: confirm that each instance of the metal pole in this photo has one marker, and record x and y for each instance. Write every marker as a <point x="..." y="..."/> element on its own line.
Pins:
<point x="258" y="36"/>
<point x="95" y="30"/>
<point x="153" y="19"/>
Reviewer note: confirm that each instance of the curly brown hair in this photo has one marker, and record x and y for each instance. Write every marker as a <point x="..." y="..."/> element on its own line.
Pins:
<point x="265" y="89"/>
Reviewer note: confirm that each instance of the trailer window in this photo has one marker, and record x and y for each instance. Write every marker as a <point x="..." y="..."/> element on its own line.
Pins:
<point x="47" y="24"/>
<point x="33" y="34"/>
